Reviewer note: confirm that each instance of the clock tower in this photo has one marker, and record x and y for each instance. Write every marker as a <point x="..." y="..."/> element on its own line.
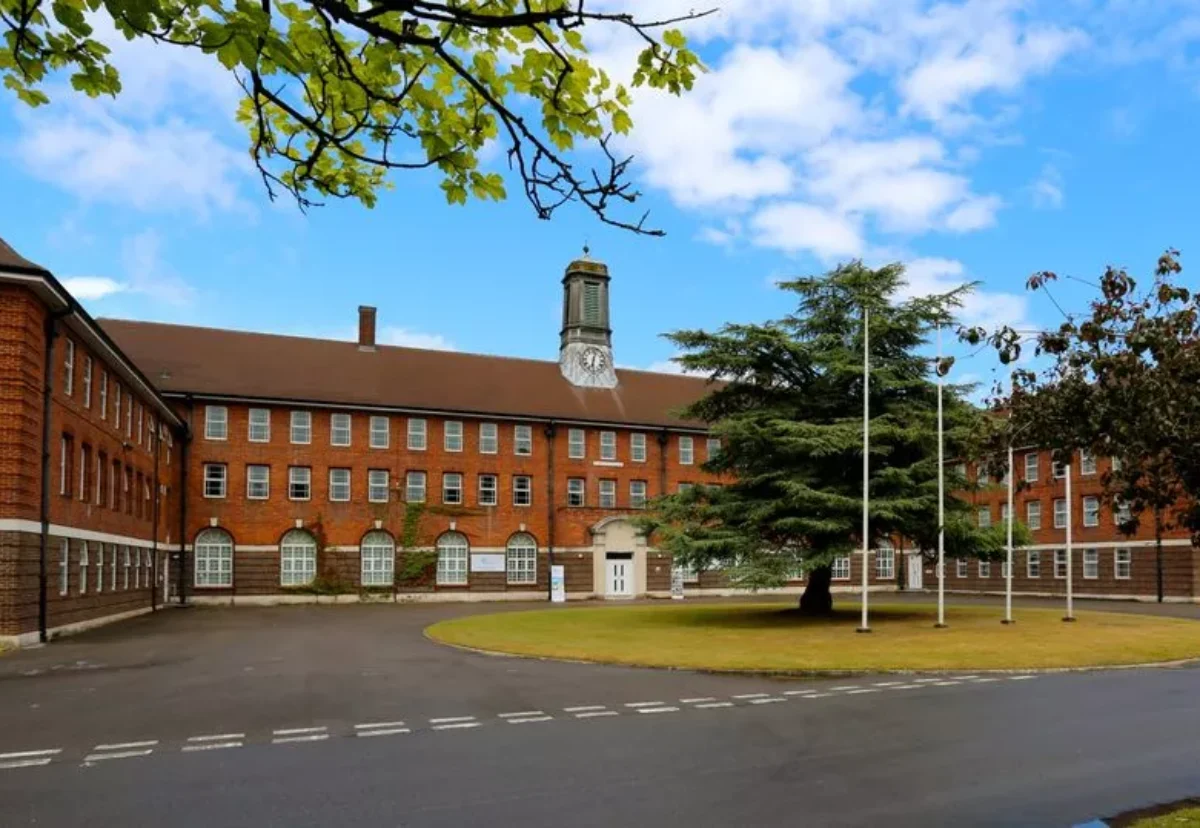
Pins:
<point x="585" y="345"/>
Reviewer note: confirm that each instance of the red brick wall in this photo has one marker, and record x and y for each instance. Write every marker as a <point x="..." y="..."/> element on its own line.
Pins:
<point x="22" y="340"/>
<point x="263" y="523"/>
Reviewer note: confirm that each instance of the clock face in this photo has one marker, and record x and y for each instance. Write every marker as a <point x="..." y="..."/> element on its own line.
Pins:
<point x="593" y="360"/>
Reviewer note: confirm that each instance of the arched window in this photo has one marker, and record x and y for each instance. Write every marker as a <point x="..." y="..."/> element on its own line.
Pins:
<point x="378" y="552"/>
<point x="453" y="554"/>
<point x="522" y="559"/>
<point x="214" y="558"/>
<point x="297" y="559"/>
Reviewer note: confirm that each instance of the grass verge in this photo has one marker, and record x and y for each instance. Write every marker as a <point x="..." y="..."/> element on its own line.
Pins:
<point x="774" y="637"/>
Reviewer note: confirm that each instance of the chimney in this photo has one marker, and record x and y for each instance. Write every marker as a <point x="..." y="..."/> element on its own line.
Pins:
<point x="366" y="328"/>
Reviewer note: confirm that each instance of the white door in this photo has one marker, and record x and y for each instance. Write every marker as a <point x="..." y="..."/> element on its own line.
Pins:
<point x="916" y="571"/>
<point x="620" y="578"/>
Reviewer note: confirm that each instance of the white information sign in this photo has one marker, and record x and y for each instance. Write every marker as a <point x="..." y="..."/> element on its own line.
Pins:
<point x="677" y="583"/>
<point x="558" y="584"/>
<point x="487" y="562"/>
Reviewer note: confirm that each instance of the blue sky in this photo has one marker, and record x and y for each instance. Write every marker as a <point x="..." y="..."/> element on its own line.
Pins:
<point x="976" y="140"/>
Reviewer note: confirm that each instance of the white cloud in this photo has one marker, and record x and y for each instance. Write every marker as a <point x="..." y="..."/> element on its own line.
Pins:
<point x="412" y="339"/>
<point x="1047" y="190"/>
<point x="148" y="274"/>
<point x="990" y="309"/>
<point x="90" y="288"/>
<point x="795" y="226"/>
<point x="974" y="214"/>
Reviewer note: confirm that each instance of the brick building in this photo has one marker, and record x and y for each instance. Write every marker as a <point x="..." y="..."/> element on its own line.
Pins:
<point x="143" y="462"/>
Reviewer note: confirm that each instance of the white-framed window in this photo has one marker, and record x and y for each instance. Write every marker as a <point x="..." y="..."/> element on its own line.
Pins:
<point x="214" y="558"/>
<point x="103" y="394"/>
<point x="99" y="568"/>
<point x="377" y="486"/>
<point x="378" y="553"/>
<point x="489" y="438"/>
<point x="576" y="443"/>
<point x="64" y="567"/>
<point x="1004" y="569"/>
<point x="1033" y="514"/>
<point x="576" y="491"/>
<point x="523" y="440"/>
<point x="64" y="452"/>
<point x="339" y="485"/>
<point x="258" y="482"/>
<point x="688" y="572"/>
<point x="1091" y="511"/>
<point x="608" y="494"/>
<point x="299" y="483"/>
<point x="147" y="561"/>
<point x="339" y="429"/>
<point x="637" y="447"/>
<point x="414" y="487"/>
<point x="1122" y="564"/>
<point x="521" y="559"/>
<point x="1122" y="514"/>
<point x="984" y="516"/>
<point x="488" y="490"/>
<point x="1060" y="469"/>
<point x="1004" y="514"/>
<point x="215" y="478"/>
<point x="452" y="488"/>
<point x="960" y="568"/>
<point x="1033" y="563"/>
<point x="1087" y="462"/>
<point x="216" y="421"/>
<point x="637" y="494"/>
<point x="1060" y="513"/>
<point x="128" y="415"/>
<point x="840" y="569"/>
<point x="452" y="435"/>
<point x="141" y="424"/>
<point x="87" y="382"/>
<point x="522" y="490"/>
<point x="683" y="488"/>
<point x="259" y="428"/>
<point x="959" y="470"/>
<point x="985" y="569"/>
<point x="1031" y="467"/>
<point x="885" y="562"/>
<point x="114" y="564"/>
<point x="380" y="432"/>
<point x="83" y="567"/>
<point x="1060" y="563"/>
<point x="687" y="451"/>
<point x="608" y="445"/>
<point x="137" y="570"/>
<point x="1091" y="563"/>
<point x="297" y="558"/>
<point x="301" y="428"/>
<point x="416" y="434"/>
<point x="69" y="368"/>
<point x="117" y="405"/>
<point x="1115" y="462"/>
<point x="453" y="554"/>
<point x="712" y="447"/>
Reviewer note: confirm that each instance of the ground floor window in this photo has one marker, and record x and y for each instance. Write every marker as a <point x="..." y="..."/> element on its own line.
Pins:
<point x="214" y="558"/>
<point x="521" y="559"/>
<point x="885" y="562"/>
<point x="960" y="568"/>
<point x="64" y="567"/>
<point x="1091" y="563"/>
<point x="840" y="571"/>
<point x="378" y="552"/>
<point x="985" y="569"/>
<point x="452" y="557"/>
<point x="1033" y="564"/>
<point x="1060" y="563"/>
<point x="297" y="559"/>
<point x="1122" y="564"/>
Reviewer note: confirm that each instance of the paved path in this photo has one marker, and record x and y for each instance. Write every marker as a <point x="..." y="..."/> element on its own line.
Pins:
<point x="338" y="715"/>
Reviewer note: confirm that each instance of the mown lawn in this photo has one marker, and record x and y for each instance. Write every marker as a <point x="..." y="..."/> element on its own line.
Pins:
<point x="773" y="637"/>
<point x="1184" y="818"/>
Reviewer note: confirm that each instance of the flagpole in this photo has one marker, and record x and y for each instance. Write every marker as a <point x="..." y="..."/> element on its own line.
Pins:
<point x="1008" y="576"/>
<point x="941" y="564"/>
<point x="865" y="626"/>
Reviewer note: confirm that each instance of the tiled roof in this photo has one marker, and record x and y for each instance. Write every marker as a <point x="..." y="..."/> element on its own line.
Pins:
<point x="213" y="362"/>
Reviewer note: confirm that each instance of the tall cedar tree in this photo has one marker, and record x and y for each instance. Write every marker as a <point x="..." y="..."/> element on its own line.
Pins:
<point x="1123" y="381"/>
<point x="787" y="404"/>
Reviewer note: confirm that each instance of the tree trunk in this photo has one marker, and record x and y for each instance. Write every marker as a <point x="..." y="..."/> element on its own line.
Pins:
<point x="1158" y="560"/>
<point x="817" y="600"/>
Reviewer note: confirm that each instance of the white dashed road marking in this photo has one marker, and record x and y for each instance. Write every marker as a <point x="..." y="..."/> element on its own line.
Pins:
<point x="530" y="719"/>
<point x="522" y="714"/>
<point x="983" y="680"/>
<point x="121" y="754"/>
<point x="842" y="687"/>
<point x="294" y="731"/>
<point x="864" y="690"/>
<point x="887" y="683"/>
<point x="946" y="683"/>
<point x="711" y="705"/>
<point x="217" y="737"/>
<point x="1019" y="678"/>
<point x="698" y="700"/>
<point x="925" y="680"/>
<point x="456" y="726"/>
<point x="584" y="708"/>
<point x="592" y="714"/>
<point x="380" y="729"/>
<point x="743" y="696"/>
<point x="768" y="700"/>
<point x="817" y="696"/>
<point x="372" y="725"/>
<point x="27" y="758"/>
<point x="311" y="737"/>
<point x="907" y="686"/>
<point x="127" y="745"/>
<point x="210" y="746"/>
<point x="663" y="709"/>
<point x="798" y="692"/>
<point x="448" y="719"/>
<point x="644" y="704"/>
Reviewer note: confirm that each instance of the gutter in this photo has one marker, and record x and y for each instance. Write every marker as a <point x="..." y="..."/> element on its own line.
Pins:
<point x="551" y="432"/>
<point x="51" y="333"/>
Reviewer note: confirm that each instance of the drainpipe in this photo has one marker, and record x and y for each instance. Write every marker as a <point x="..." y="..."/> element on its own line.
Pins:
<point x="154" y="536"/>
<point x="551" y="432"/>
<point x="663" y="440"/>
<point x="51" y="333"/>
<point x="184" y="440"/>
